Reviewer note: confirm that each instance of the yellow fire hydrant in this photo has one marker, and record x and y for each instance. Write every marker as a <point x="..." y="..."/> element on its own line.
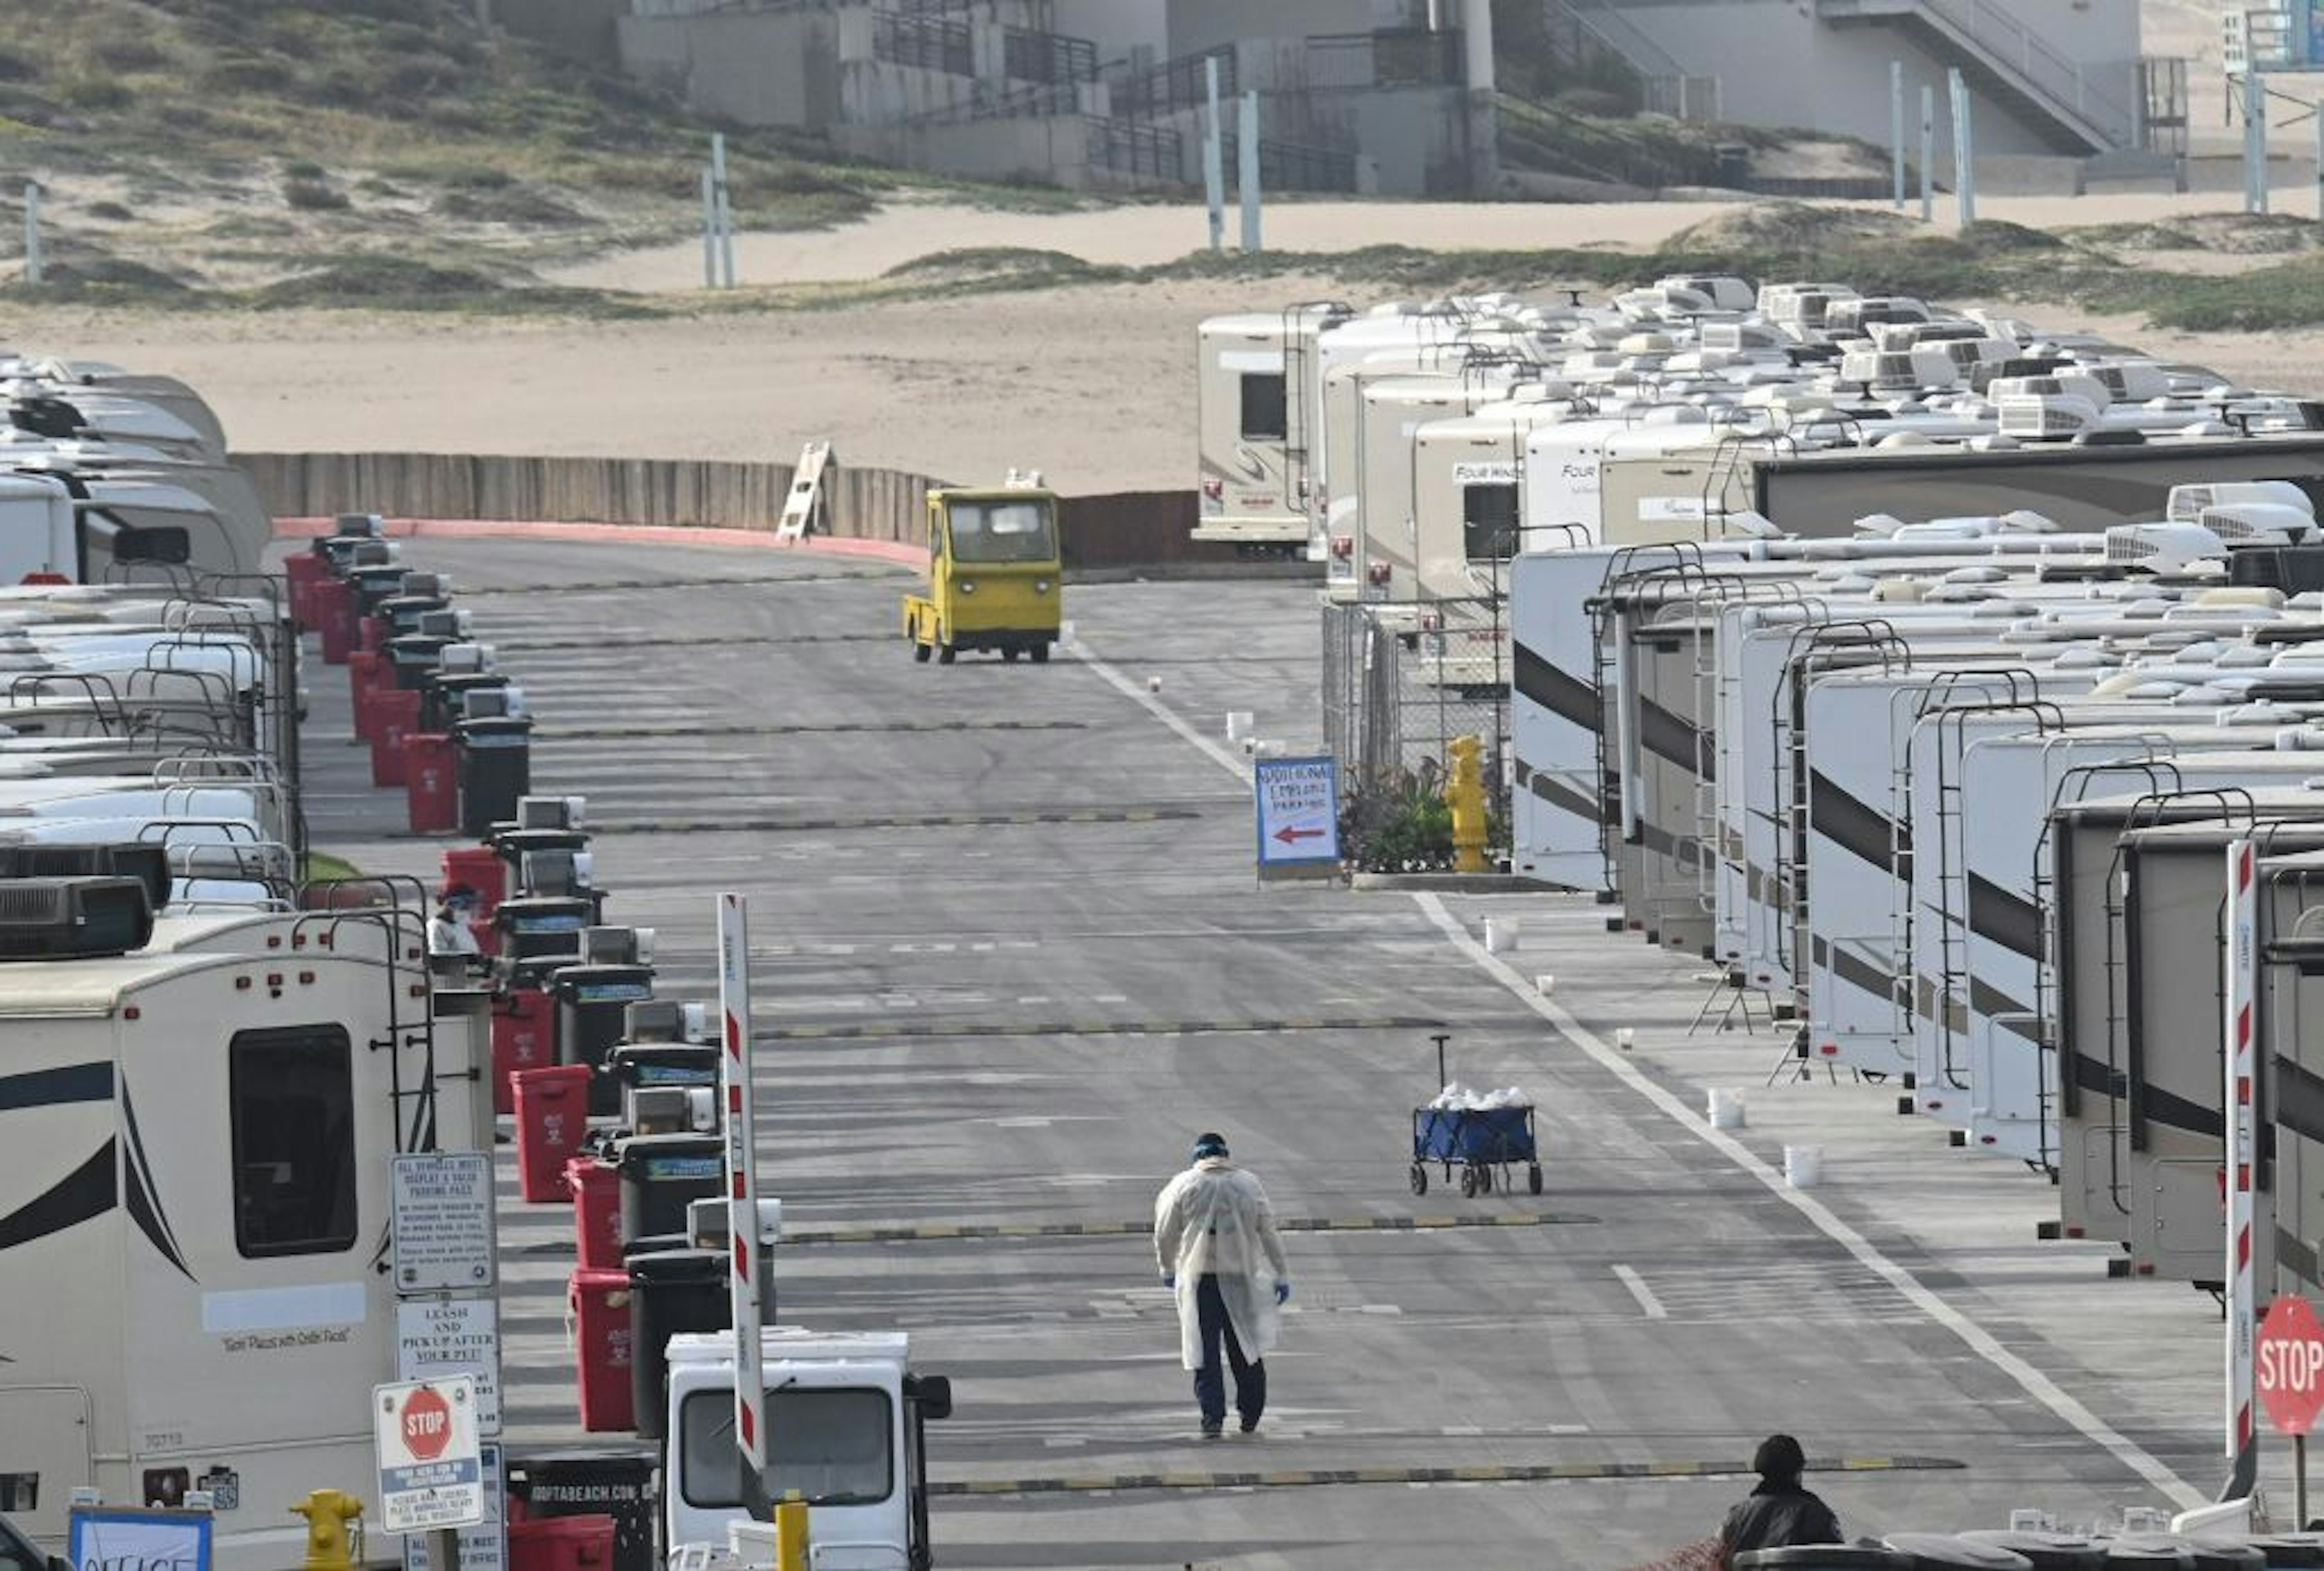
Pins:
<point x="1465" y="794"/>
<point x="334" y="1530"/>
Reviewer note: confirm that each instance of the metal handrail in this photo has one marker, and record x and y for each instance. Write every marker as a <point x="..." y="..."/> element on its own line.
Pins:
<point x="2011" y="41"/>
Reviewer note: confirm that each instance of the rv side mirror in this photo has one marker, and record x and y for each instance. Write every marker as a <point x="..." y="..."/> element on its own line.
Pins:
<point x="168" y="544"/>
<point x="932" y="1393"/>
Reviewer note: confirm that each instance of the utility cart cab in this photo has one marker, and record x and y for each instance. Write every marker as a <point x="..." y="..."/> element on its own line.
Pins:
<point x="994" y="573"/>
<point x="845" y="1426"/>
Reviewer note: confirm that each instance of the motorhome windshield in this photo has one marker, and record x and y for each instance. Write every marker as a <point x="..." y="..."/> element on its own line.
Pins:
<point x="1003" y="531"/>
<point x="829" y="1443"/>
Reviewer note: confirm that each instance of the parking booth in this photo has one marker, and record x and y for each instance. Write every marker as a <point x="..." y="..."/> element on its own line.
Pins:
<point x="552" y="1121"/>
<point x="599" y="1302"/>
<point x="431" y="783"/>
<point x="671" y="1291"/>
<point x="495" y="758"/>
<point x="544" y="1486"/>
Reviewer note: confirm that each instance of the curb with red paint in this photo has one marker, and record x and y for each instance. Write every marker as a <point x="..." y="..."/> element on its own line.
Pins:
<point x="895" y="551"/>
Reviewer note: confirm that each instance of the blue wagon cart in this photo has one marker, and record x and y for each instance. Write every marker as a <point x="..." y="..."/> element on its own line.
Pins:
<point x="1483" y="1143"/>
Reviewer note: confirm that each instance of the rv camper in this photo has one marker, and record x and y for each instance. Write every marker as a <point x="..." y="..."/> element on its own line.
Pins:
<point x="1254" y="410"/>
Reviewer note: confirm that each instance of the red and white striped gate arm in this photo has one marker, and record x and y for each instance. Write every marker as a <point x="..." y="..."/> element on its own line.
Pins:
<point x="737" y="1108"/>
<point x="2241" y="1153"/>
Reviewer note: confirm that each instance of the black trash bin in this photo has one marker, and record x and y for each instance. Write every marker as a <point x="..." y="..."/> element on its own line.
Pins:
<point x="679" y="1289"/>
<point x="660" y="1173"/>
<point x="443" y="695"/>
<point x="1944" y="1552"/>
<point x="2046" y="1551"/>
<point x="496" y="761"/>
<point x="592" y="1006"/>
<point x="540" y="935"/>
<point x="586" y="1482"/>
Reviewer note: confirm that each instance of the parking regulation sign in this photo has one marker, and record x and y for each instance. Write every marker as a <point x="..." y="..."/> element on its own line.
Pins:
<point x="1297" y="803"/>
<point x="431" y="1468"/>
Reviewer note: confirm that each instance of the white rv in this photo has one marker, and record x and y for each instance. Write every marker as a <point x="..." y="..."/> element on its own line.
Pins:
<point x="1253" y="414"/>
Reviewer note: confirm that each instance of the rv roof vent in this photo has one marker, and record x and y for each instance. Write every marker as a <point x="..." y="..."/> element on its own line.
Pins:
<point x="1898" y="590"/>
<point x="2201" y="693"/>
<point x="654" y="1020"/>
<point x="2081" y="656"/>
<point x="1976" y="575"/>
<point x="1993" y="442"/>
<point x="2239" y="596"/>
<point x="58" y="919"/>
<point x="2260" y="713"/>
<point x="2152" y="689"/>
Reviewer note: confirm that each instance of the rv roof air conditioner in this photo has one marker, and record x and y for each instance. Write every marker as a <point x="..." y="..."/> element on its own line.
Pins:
<point x="149" y="863"/>
<point x="2161" y="548"/>
<point x="2036" y="417"/>
<point x="65" y="919"/>
<point x="2261" y="522"/>
<point x="2187" y="502"/>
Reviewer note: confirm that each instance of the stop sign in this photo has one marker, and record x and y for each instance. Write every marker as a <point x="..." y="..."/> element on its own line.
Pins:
<point x="427" y="1422"/>
<point x="2290" y="1354"/>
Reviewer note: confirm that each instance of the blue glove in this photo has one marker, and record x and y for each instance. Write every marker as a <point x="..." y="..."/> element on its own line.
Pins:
<point x="1282" y="1293"/>
<point x="1170" y="1279"/>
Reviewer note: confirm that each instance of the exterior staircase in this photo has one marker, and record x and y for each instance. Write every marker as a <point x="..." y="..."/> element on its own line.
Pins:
<point x="2008" y="61"/>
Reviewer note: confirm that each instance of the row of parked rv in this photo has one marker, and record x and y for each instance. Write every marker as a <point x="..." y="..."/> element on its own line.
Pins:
<point x="1417" y="448"/>
<point x="1915" y="666"/>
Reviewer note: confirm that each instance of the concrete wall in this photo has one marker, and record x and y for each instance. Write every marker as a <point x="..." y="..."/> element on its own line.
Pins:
<point x="1052" y="149"/>
<point x="582" y="30"/>
<point x="1778" y="65"/>
<point x="1123" y="530"/>
<point x="1195" y="25"/>
<point x="753" y="67"/>
<point x="1119" y="28"/>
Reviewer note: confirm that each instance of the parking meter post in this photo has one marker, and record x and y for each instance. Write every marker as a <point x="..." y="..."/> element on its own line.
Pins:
<point x="2300" y="1480"/>
<point x="443" y="1550"/>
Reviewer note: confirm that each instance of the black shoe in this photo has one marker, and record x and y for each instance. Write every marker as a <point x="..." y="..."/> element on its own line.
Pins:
<point x="1249" y="1425"/>
<point x="1214" y="1431"/>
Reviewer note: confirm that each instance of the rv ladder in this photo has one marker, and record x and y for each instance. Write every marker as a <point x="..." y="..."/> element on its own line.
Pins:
<point x="806" y="504"/>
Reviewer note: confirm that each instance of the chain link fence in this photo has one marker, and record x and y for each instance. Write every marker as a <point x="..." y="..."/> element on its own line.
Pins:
<point x="1399" y="683"/>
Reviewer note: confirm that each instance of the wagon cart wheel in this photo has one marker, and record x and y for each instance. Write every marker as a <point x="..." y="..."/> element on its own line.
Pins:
<point x="1040" y="653"/>
<point x="1484" y="1177"/>
<point x="1468" y="1183"/>
<point x="1419" y="1179"/>
<point x="921" y="651"/>
<point x="1533" y="1177"/>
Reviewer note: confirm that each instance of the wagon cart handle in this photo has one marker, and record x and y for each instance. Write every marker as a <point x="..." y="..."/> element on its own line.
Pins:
<point x="1440" y="1039"/>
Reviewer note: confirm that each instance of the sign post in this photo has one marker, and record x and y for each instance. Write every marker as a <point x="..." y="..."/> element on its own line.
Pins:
<point x="1297" y="803"/>
<point x="738" y="1108"/>
<point x="447" y="1273"/>
<point x="2291" y="1381"/>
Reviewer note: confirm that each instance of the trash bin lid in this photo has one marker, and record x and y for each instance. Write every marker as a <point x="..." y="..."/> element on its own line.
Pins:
<point x="657" y="1243"/>
<point x="1942" y="1551"/>
<point x="638" y="1148"/>
<point x="1819" y="1557"/>
<point x="492" y="728"/>
<point x="663" y="1063"/>
<point x="2046" y="1551"/>
<point x="2149" y="1549"/>
<point x="677" y="1265"/>
<point x="511" y="842"/>
<point x="602" y="984"/>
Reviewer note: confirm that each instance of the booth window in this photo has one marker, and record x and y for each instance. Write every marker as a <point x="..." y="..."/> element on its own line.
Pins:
<point x="1488" y="520"/>
<point x="293" y="1090"/>
<point x="1263" y="408"/>
<point x="829" y="1443"/>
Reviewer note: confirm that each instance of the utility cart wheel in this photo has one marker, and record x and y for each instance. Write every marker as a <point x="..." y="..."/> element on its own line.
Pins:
<point x="1419" y="1179"/>
<point x="1008" y="654"/>
<point x="1040" y="653"/>
<point x="920" y="652"/>
<point x="1468" y="1183"/>
<point x="1533" y="1177"/>
<point x="947" y="654"/>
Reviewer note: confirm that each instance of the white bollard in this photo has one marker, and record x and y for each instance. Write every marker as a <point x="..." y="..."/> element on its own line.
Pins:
<point x="1154" y="684"/>
<point x="1238" y="725"/>
<point x="1802" y="1166"/>
<point x="1624" y="1038"/>
<point x="1727" y="1110"/>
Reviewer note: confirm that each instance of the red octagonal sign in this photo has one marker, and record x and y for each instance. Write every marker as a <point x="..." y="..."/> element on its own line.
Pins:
<point x="426" y="1421"/>
<point x="2290" y="1354"/>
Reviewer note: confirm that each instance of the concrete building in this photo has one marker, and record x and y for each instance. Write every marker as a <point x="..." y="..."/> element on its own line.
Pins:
<point x="1386" y="95"/>
<point x="2047" y="77"/>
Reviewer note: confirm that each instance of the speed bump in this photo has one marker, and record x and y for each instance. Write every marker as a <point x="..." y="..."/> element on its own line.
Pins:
<point x="1467" y="1473"/>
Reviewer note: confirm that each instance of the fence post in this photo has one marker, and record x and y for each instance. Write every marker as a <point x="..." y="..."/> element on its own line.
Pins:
<point x="1247" y="171"/>
<point x="1896" y="128"/>
<point x="33" y="270"/>
<point x="1928" y="154"/>
<point x="1214" y="174"/>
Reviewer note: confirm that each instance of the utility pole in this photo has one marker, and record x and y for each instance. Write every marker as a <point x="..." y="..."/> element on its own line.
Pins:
<point x="1247" y="171"/>
<point x="1214" y="173"/>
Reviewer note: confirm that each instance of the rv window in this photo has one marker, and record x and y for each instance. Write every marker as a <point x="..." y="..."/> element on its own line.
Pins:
<point x="1488" y="520"/>
<point x="833" y="1444"/>
<point x="294" y="1140"/>
<point x="1263" y="410"/>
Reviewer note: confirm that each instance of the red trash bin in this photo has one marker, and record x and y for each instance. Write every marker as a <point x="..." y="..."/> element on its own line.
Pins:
<point x="580" y="1543"/>
<point x="479" y="867"/>
<point x="370" y="634"/>
<point x="395" y="716"/>
<point x="602" y="1346"/>
<point x="431" y="774"/>
<point x="304" y="570"/>
<point x="524" y="1037"/>
<point x="552" y="1119"/>
<point x="596" y="1188"/>
<point x="334" y="600"/>
<point x="362" y="690"/>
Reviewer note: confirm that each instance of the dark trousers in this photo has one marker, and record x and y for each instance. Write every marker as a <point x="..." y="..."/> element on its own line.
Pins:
<point x="1210" y="1380"/>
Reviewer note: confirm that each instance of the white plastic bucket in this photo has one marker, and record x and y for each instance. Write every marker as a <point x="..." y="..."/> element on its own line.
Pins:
<point x="1727" y="1110"/>
<point x="1238" y="725"/>
<point x="1500" y="935"/>
<point x="1802" y="1166"/>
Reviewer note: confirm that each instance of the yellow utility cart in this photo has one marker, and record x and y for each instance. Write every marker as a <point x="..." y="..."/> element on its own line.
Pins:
<point x="994" y="574"/>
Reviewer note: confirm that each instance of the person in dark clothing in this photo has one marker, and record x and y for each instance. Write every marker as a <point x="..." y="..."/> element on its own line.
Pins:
<point x="1778" y="1512"/>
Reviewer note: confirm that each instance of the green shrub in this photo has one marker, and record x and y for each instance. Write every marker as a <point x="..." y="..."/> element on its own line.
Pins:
<point x="314" y="196"/>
